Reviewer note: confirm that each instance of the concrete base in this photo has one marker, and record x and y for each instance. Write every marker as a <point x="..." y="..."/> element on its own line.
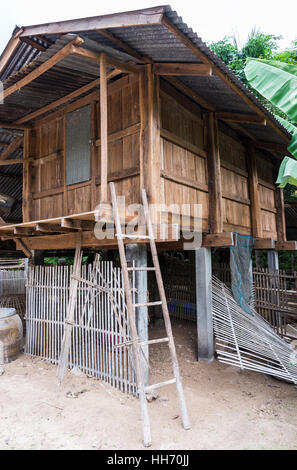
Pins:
<point x="204" y="305"/>
<point x="138" y="253"/>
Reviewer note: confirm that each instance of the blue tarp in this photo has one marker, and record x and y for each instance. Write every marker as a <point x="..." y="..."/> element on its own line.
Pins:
<point x="241" y="271"/>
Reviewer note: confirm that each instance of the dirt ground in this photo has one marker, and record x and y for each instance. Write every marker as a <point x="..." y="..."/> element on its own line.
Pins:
<point x="229" y="409"/>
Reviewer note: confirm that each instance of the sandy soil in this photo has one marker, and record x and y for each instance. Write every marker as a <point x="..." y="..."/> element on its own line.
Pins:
<point x="229" y="409"/>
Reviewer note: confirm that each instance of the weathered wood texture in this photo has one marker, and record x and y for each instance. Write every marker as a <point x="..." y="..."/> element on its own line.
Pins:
<point x="183" y="162"/>
<point x="157" y="139"/>
<point x="267" y="189"/>
<point x="45" y="177"/>
<point x="236" y="198"/>
<point x="123" y="139"/>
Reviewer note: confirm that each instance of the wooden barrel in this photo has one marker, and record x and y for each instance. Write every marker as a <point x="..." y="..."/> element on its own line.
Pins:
<point x="11" y="335"/>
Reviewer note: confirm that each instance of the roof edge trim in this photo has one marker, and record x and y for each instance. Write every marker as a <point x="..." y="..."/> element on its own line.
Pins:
<point x="143" y="17"/>
<point x="9" y="49"/>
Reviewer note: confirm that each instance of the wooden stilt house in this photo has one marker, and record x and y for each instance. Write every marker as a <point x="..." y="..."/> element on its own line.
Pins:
<point x="136" y="98"/>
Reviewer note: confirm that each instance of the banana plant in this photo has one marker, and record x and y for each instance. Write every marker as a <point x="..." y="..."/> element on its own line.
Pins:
<point x="277" y="82"/>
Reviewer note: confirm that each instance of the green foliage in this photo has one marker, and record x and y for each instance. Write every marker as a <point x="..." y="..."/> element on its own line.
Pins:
<point x="288" y="260"/>
<point x="272" y="79"/>
<point x="290" y="193"/>
<point x="289" y="55"/>
<point x="258" y="45"/>
<point x="54" y="260"/>
<point x="226" y="50"/>
<point x="277" y="82"/>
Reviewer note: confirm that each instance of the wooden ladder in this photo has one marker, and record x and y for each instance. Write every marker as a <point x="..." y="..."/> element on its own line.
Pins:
<point x="135" y="342"/>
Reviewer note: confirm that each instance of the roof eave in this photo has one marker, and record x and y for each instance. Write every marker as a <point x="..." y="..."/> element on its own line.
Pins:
<point x="10" y="49"/>
<point x="143" y="17"/>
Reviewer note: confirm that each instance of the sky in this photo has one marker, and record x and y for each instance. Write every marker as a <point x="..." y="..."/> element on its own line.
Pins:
<point x="212" y="19"/>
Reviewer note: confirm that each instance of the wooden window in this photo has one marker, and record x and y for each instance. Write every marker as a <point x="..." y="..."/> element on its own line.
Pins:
<point x="78" y="150"/>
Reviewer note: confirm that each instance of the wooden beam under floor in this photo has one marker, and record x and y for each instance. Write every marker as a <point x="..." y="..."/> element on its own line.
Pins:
<point x="52" y="228"/>
<point x="77" y="224"/>
<point x="264" y="244"/>
<point x="286" y="246"/>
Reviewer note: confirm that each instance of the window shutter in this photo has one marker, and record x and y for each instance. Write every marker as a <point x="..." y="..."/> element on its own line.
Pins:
<point x="78" y="153"/>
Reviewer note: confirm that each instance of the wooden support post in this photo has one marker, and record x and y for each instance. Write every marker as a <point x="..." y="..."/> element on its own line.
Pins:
<point x="94" y="155"/>
<point x="138" y="253"/>
<point x="274" y="283"/>
<point x="256" y="215"/>
<point x="272" y="260"/>
<point x="21" y="245"/>
<point x="103" y="127"/>
<point x="150" y="135"/>
<point x="280" y="216"/>
<point x="26" y="177"/>
<point x="204" y="305"/>
<point x="259" y="260"/>
<point x="37" y="258"/>
<point x="215" y="216"/>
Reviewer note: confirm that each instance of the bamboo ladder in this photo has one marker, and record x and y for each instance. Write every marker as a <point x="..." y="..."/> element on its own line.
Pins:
<point x="135" y="342"/>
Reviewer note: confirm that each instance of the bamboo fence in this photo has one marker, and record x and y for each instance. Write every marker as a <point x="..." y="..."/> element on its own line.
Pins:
<point x="95" y="331"/>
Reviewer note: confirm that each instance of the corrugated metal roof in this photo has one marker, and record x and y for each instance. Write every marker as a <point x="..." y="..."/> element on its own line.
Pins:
<point x="65" y="77"/>
<point x="154" y="41"/>
<point x="11" y="177"/>
<point x="188" y="32"/>
<point x="23" y="55"/>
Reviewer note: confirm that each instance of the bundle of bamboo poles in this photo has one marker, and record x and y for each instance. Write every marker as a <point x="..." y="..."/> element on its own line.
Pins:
<point x="247" y="341"/>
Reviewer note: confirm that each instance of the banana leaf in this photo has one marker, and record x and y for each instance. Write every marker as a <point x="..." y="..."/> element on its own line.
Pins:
<point x="293" y="146"/>
<point x="276" y="81"/>
<point x="293" y="130"/>
<point x="288" y="125"/>
<point x="287" y="172"/>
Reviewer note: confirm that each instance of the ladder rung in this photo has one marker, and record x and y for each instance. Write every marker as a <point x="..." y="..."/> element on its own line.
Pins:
<point x="155" y="341"/>
<point x="142" y="343"/>
<point x="142" y="269"/>
<point x="148" y="304"/>
<point x="161" y="384"/>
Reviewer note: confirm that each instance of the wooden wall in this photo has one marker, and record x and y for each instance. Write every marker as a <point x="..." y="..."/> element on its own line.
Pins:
<point x="266" y="180"/>
<point x="235" y="189"/>
<point x="184" y="167"/>
<point x="49" y="196"/>
<point x="183" y="160"/>
<point x="124" y="139"/>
